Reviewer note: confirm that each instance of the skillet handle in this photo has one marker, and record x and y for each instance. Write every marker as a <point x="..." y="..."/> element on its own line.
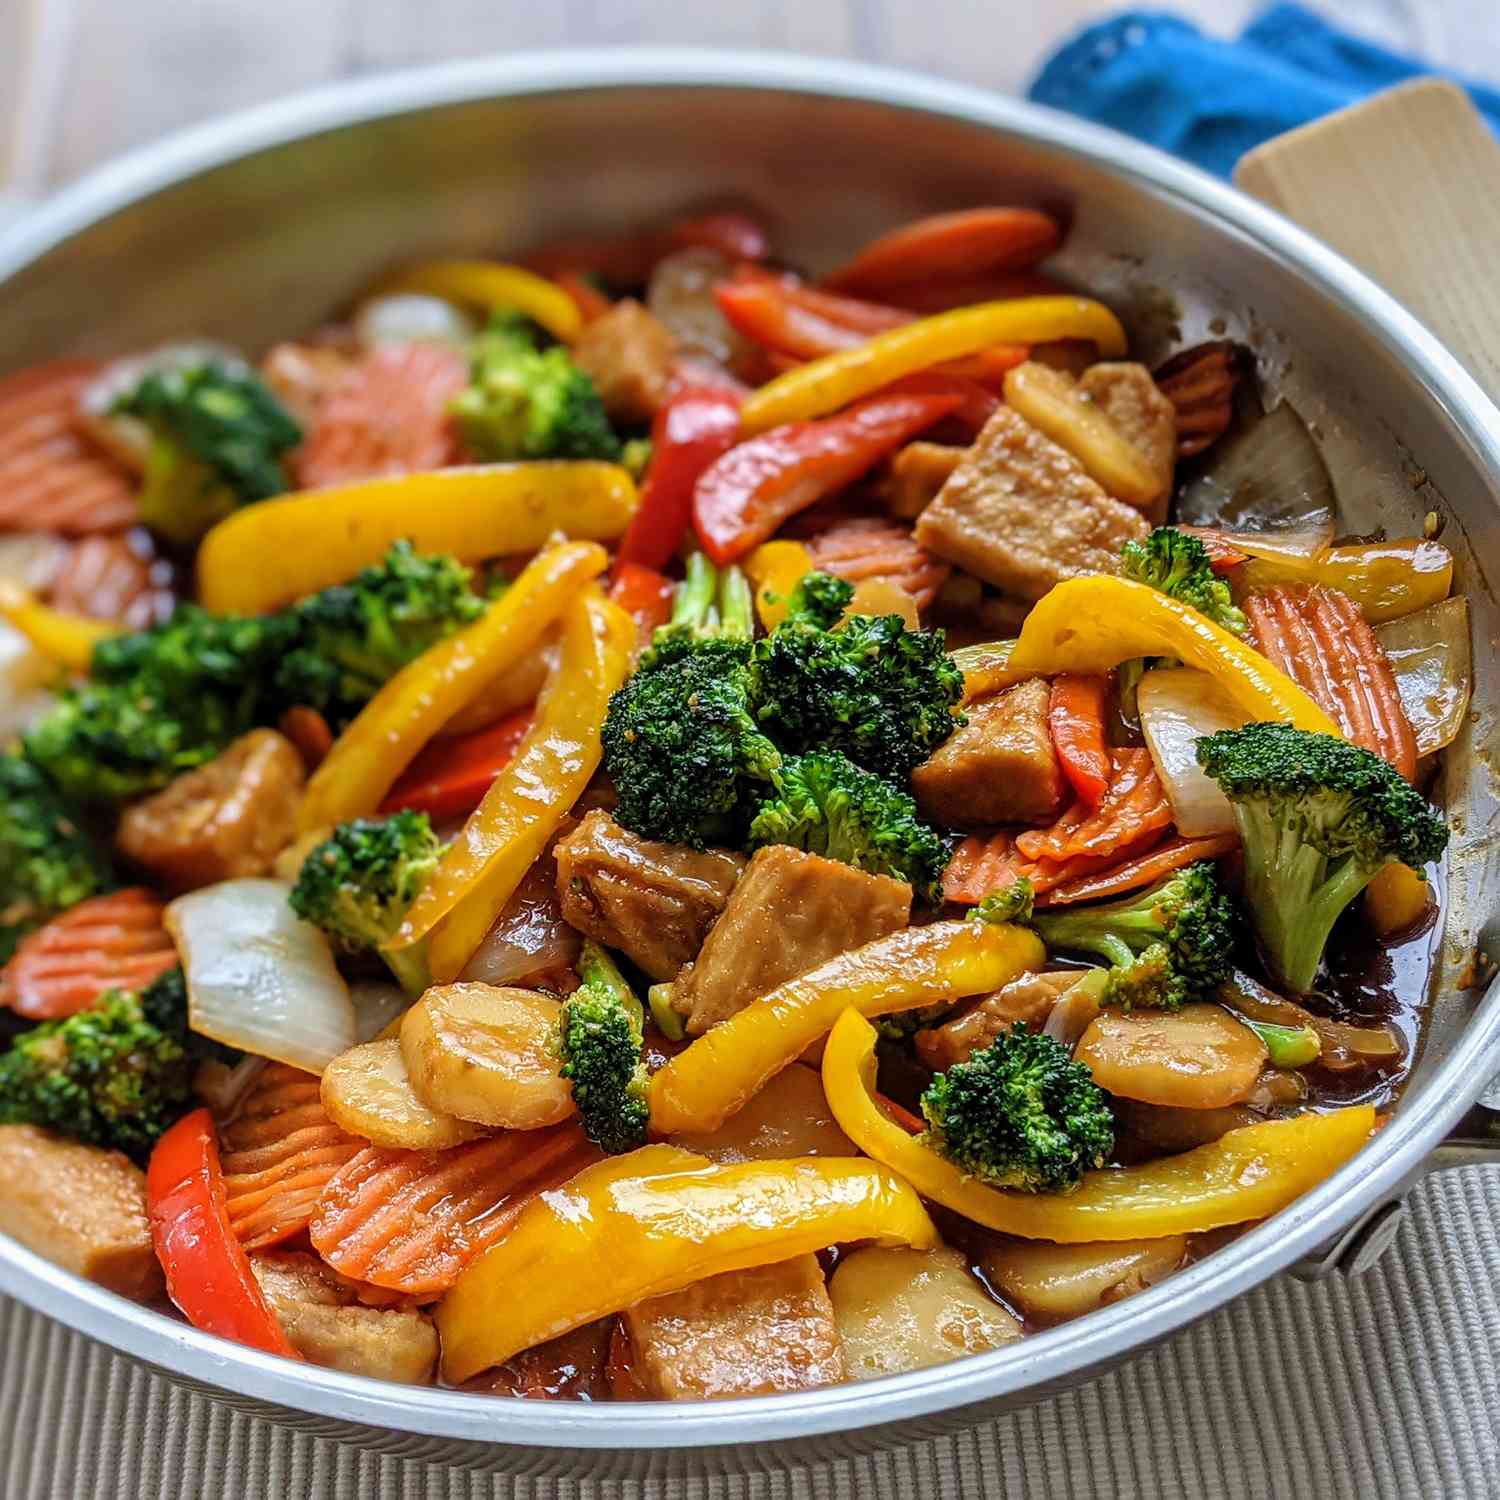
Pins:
<point x="1406" y="185"/>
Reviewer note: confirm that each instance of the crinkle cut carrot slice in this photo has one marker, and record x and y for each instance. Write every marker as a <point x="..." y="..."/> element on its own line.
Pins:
<point x="51" y="477"/>
<point x="115" y="577"/>
<point x="387" y="414"/>
<point x="1133" y="805"/>
<point x="111" y="942"/>
<point x="873" y="547"/>
<point x="278" y="1154"/>
<point x="413" y="1220"/>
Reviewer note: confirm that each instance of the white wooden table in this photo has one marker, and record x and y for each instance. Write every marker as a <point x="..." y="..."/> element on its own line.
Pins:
<point x="81" y="80"/>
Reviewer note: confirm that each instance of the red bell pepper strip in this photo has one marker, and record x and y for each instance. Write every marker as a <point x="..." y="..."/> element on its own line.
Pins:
<point x="1075" y="714"/>
<point x="697" y="424"/>
<point x="742" y="498"/>
<point x="450" y="777"/>
<point x="645" y="595"/>
<point x="949" y="246"/>
<point x="977" y="403"/>
<point x="928" y="297"/>
<point x="208" y="1274"/>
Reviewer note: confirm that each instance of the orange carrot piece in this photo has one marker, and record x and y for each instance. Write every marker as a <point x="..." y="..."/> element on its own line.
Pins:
<point x="309" y="731"/>
<point x="863" y="547"/>
<point x="983" y="863"/>
<point x="413" y="1220"/>
<point x="931" y="297"/>
<point x="1141" y="870"/>
<point x="1133" y="805"/>
<point x="387" y="414"/>
<point x="51" y="477"/>
<point x="278" y="1154"/>
<point x="1075" y="716"/>
<point x="952" y="246"/>
<point x="1317" y="636"/>
<point x="1200" y="383"/>
<point x="111" y="942"/>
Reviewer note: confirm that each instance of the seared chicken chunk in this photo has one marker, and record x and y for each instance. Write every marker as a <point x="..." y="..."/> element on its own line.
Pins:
<point x="82" y="1208"/>
<point x="227" y="819"/>
<point x="744" y="1333"/>
<point x="628" y="354"/>
<point x="1000" y="767"/>
<point x="789" y="913"/>
<point x="654" y="902"/>
<point x="1021" y="513"/>
<point x="916" y="475"/>
<point x="325" y="1323"/>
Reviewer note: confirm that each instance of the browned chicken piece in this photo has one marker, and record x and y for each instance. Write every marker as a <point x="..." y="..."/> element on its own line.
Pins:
<point x="915" y="476"/>
<point x="80" y="1207"/>
<point x="325" y="1323"/>
<point x="628" y="354"/>
<point x="226" y="819"/>
<point x="1020" y="512"/>
<point x="789" y="913"/>
<point x="1000" y="767"/>
<point x="654" y="902"/>
<point x="1028" y="998"/>
<point x="744" y="1333"/>
<point x="1128" y="396"/>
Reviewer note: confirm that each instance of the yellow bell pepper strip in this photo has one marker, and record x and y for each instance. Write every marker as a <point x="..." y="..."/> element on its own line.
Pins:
<point x="654" y="1221"/>
<point x="415" y="704"/>
<point x="986" y="668"/>
<point x="269" y="554"/>
<point x="1093" y="624"/>
<point x="1385" y="579"/>
<point x="495" y="287"/>
<point x="67" y="639"/>
<point x="1396" y="899"/>
<point x="525" y="803"/>
<point x="824" y="385"/>
<point x="1049" y="399"/>
<point x="719" y="1073"/>
<point x="774" y="570"/>
<point x="1246" y="1174"/>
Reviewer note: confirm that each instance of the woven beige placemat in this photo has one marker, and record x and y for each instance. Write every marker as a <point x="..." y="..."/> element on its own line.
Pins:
<point x="1387" y="1385"/>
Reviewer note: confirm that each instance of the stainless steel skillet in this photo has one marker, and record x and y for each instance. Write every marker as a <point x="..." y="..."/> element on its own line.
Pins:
<point x="253" y="228"/>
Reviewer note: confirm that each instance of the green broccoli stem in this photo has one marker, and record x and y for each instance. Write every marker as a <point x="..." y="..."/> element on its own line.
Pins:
<point x="695" y="594"/>
<point x="668" y="1021"/>
<point x="1294" y="895"/>
<point x="598" y="971"/>
<point x="736" y="605"/>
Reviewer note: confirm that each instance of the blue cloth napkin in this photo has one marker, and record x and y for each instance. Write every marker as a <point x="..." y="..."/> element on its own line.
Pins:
<point x="1157" y="77"/>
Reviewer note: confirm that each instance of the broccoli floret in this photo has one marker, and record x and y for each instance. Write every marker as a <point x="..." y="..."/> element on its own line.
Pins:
<point x="825" y="804"/>
<point x="1175" y="563"/>
<point x="1011" y="903"/>
<point x="161" y="701"/>
<point x="354" y="636"/>
<point x="819" y="600"/>
<point x="218" y="436"/>
<point x="1319" y="819"/>
<point x="359" y="882"/>
<point x="1020" y="1113"/>
<point x="525" y="402"/>
<point x="680" y="739"/>
<point x="47" y="862"/>
<point x="884" y="695"/>
<point x="1184" y="915"/>
<point x="116" y="1075"/>
<point x="600" y="1039"/>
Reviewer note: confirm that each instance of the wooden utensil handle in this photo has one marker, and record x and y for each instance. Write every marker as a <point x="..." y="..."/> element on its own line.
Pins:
<point x="1406" y="185"/>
